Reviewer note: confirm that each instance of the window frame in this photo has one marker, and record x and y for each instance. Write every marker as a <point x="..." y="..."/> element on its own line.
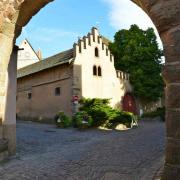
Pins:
<point x="29" y="95"/>
<point x="96" y="52"/>
<point x="57" y="91"/>
<point x="95" y="70"/>
<point x="99" y="71"/>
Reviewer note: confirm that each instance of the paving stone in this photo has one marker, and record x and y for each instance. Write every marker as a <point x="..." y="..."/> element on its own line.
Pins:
<point x="47" y="153"/>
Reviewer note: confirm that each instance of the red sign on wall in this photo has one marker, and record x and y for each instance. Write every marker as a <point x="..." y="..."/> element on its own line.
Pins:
<point x="75" y="98"/>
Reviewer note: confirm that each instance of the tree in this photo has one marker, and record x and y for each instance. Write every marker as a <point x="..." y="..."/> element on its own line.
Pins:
<point x="136" y="52"/>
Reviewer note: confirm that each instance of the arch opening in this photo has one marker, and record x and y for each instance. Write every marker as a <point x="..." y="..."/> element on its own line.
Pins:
<point x="168" y="27"/>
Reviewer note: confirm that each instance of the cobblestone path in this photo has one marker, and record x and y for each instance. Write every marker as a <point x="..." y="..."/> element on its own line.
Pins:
<point x="47" y="153"/>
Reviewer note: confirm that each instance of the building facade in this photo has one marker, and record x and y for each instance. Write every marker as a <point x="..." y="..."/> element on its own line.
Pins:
<point x="27" y="55"/>
<point x="87" y="70"/>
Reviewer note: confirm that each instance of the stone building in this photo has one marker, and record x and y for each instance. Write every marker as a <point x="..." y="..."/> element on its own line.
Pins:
<point x="87" y="70"/>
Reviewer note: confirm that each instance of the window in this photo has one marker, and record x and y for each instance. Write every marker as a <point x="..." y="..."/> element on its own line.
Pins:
<point x="102" y="46"/>
<point x="99" y="71"/>
<point x="94" y="70"/>
<point x="98" y="38"/>
<point x="111" y="57"/>
<point x="29" y="95"/>
<point x="96" y="52"/>
<point x="58" y="91"/>
<point x="107" y="52"/>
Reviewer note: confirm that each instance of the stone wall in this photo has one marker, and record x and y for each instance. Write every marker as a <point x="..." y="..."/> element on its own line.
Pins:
<point x="12" y="18"/>
<point x="165" y="15"/>
<point x="44" y="104"/>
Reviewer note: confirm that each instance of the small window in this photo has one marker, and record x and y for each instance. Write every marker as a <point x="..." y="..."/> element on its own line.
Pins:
<point x="102" y="46"/>
<point x="107" y="53"/>
<point x="58" y="91"/>
<point x="94" y="70"/>
<point x="96" y="52"/>
<point x="98" y="38"/>
<point x="111" y="57"/>
<point x="29" y="95"/>
<point x="99" y="71"/>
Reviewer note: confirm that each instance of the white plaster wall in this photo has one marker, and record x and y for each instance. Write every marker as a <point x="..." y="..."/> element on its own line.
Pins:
<point x="107" y="86"/>
<point x="26" y="56"/>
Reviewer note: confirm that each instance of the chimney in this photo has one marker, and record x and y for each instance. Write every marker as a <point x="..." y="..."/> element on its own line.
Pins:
<point x="39" y="54"/>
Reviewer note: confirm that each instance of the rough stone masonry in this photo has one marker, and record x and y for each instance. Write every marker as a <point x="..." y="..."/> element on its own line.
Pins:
<point x="14" y="14"/>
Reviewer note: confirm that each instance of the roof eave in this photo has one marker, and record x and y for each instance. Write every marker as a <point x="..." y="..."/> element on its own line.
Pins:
<point x="58" y="64"/>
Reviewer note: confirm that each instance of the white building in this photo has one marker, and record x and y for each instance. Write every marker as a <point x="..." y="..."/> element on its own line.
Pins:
<point x="98" y="77"/>
<point x="27" y="55"/>
<point x="87" y="70"/>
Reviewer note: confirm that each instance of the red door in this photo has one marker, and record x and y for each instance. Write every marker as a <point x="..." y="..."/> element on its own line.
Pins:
<point x="129" y="103"/>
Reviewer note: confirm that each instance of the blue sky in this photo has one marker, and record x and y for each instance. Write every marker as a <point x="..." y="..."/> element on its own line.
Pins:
<point x="57" y="26"/>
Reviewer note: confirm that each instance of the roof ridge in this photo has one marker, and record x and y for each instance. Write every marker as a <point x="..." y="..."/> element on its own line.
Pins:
<point x="58" y="53"/>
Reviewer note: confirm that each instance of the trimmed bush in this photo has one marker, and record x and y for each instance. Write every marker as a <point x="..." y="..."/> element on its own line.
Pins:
<point x="122" y="117"/>
<point x="104" y="115"/>
<point x="98" y="109"/>
<point x="82" y="120"/>
<point x="62" y="120"/>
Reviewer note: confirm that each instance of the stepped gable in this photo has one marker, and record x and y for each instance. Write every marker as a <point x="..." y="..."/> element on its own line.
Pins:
<point x="64" y="57"/>
<point x="92" y="37"/>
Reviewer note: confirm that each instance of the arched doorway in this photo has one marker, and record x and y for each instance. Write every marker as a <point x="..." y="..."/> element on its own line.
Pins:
<point x="166" y="16"/>
<point x="129" y="103"/>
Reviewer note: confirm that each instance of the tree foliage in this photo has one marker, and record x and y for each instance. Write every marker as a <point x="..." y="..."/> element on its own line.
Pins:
<point x="136" y="52"/>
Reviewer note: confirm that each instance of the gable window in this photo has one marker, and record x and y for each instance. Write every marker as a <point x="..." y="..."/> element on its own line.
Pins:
<point x="98" y="39"/>
<point x="96" y="52"/>
<point x="94" y="70"/>
<point x="99" y="71"/>
<point x="29" y="95"/>
<point x="57" y="91"/>
<point x="107" y="53"/>
<point x="111" y="57"/>
<point x="102" y="46"/>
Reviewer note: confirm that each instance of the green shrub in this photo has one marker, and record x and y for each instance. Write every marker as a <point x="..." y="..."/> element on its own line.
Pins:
<point x="160" y="112"/>
<point x="122" y="117"/>
<point x="104" y="115"/>
<point x="98" y="109"/>
<point x="62" y="120"/>
<point x="82" y="120"/>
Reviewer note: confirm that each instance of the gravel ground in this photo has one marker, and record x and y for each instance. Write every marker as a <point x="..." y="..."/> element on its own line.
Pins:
<point x="47" y="153"/>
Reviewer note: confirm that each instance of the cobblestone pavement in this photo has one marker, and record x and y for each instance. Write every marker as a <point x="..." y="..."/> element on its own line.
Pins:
<point x="47" y="153"/>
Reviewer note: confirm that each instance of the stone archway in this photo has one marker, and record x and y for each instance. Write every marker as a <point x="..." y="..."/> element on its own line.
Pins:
<point x="14" y="14"/>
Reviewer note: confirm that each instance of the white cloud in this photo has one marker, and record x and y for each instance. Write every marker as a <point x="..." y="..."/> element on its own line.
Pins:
<point x="124" y="13"/>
